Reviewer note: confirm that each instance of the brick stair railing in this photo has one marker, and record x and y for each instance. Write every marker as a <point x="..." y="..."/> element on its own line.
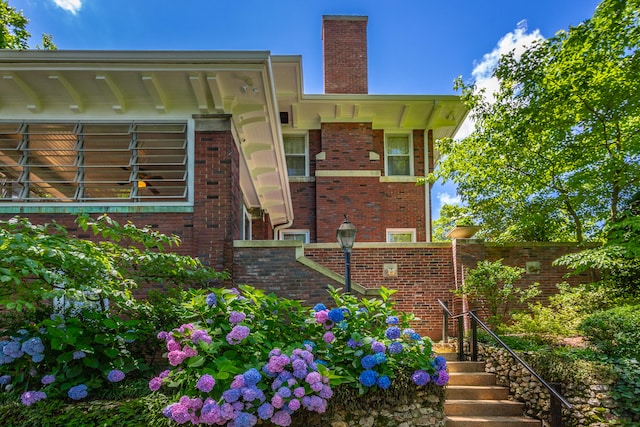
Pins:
<point x="474" y="399"/>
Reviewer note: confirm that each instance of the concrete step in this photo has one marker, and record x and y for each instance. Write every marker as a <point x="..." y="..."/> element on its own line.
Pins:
<point x="465" y="392"/>
<point x="488" y="421"/>
<point x="472" y="378"/>
<point x="484" y="408"/>
<point x="465" y="366"/>
<point x="450" y="357"/>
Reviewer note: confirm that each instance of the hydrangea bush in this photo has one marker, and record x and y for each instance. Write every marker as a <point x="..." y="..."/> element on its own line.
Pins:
<point x="245" y="356"/>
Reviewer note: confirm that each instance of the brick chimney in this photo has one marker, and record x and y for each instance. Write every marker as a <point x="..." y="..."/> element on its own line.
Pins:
<point x="345" y="54"/>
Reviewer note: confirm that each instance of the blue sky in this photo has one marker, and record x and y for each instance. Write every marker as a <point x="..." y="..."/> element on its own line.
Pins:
<point x="415" y="46"/>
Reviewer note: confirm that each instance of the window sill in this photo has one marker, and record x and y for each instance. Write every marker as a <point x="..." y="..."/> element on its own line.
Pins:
<point x="399" y="178"/>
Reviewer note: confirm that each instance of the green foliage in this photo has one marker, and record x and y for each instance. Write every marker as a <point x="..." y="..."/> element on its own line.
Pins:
<point x="617" y="260"/>
<point x="13" y="29"/>
<point x="561" y="316"/>
<point x="615" y="332"/>
<point x="491" y="286"/>
<point x="555" y="152"/>
<point x="626" y="390"/>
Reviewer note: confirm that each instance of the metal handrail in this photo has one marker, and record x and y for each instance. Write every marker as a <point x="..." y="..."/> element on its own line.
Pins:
<point x="474" y="354"/>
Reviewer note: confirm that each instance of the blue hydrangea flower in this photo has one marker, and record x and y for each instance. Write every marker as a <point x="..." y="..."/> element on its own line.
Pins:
<point x="5" y="379"/>
<point x="12" y="349"/>
<point x="380" y="358"/>
<point x="384" y="382"/>
<point x="319" y="307"/>
<point x="77" y="392"/>
<point x="395" y="347"/>
<point x="440" y="362"/>
<point x="368" y="362"/>
<point x="336" y="315"/>
<point x="37" y="358"/>
<point x="415" y="336"/>
<point x="368" y="378"/>
<point x="265" y="411"/>
<point x="79" y="355"/>
<point x="211" y="299"/>
<point x="378" y="347"/>
<point x="393" y="333"/>
<point x="252" y="377"/>
<point x="392" y="320"/>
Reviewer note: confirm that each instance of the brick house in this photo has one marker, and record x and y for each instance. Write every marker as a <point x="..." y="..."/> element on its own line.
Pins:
<point x="223" y="149"/>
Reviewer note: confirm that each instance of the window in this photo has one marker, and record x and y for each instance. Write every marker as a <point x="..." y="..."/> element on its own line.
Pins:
<point x="401" y="235"/>
<point x="93" y="162"/>
<point x="246" y="224"/>
<point x="300" y="235"/>
<point x="297" y="154"/>
<point x="398" y="149"/>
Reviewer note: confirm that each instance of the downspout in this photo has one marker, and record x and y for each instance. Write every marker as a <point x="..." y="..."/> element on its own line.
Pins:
<point x="427" y="188"/>
<point x="277" y="228"/>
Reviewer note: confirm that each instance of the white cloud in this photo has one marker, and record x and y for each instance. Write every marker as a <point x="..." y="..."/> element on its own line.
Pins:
<point x="518" y="41"/>
<point x="449" y="199"/>
<point x="72" y="6"/>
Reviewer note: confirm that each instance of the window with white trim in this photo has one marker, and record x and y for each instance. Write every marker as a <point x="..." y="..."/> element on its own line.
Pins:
<point x="246" y="224"/>
<point x="291" y="234"/>
<point x="401" y="235"/>
<point x="296" y="151"/>
<point x="93" y="162"/>
<point x="398" y="154"/>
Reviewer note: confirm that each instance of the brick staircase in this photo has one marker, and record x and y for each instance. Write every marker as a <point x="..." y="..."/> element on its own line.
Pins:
<point x="474" y="399"/>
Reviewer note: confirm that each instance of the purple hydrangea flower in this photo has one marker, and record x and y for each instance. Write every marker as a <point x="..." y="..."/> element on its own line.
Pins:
<point x="115" y="375"/>
<point x="78" y="392"/>
<point x="48" y="379"/>
<point x="281" y="418"/>
<point x="28" y="398"/>
<point x="206" y="383"/>
<point x="442" y="378"/>
<point x="237" y="334"/>
<point x="378" y="347"/>
<point x="236" y="317"/>
<point x="200" y="335"/>
<point x="328" y="337"/>
<point x="420" y="377"/>
<point x="155" y="384"/>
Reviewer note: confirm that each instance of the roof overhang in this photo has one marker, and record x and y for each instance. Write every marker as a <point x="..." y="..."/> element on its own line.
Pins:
<point x="160" y="85"/>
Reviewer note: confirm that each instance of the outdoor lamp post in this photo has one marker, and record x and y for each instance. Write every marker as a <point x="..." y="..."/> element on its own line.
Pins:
<point x="346" y="235"/>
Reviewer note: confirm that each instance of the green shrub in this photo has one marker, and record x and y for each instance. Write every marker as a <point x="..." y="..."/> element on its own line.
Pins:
<point x="615" y="332"/>
<point x="626" y="390"/>
<point x="564" y="311"/>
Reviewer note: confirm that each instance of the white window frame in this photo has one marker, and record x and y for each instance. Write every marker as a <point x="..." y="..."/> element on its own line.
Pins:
<point x="392" y="231"/>
<point x="294" y="232"/>
<point x="306" y="151"/>
<point x="246" y="226"/>
<point x="409" y="136"/>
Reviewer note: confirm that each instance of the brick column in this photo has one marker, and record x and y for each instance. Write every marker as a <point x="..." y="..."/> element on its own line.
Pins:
<point x="217" y="193"/>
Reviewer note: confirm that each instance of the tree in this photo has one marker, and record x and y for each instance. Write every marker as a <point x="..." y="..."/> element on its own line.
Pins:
<point x="556" y="151"/>
<point x="13" y="29"/>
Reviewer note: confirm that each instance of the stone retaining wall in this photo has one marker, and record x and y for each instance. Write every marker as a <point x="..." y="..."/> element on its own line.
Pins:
<point x="591" y="400"/>
<point x="397" y="407"/>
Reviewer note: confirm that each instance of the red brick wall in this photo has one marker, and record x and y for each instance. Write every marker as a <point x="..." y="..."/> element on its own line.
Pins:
<point x="425" y="272"/>
<point x="345" y="54"/>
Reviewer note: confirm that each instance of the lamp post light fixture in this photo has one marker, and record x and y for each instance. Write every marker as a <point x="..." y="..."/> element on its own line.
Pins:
<point x="346" y="235"/>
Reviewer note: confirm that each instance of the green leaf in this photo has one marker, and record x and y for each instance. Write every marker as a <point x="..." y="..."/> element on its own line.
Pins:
<point x="196" y="361"/>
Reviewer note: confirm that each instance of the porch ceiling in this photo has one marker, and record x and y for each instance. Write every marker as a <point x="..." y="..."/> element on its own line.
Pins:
<point x="159" y="85"/>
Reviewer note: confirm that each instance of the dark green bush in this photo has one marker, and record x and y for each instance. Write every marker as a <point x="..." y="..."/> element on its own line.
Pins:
<point x="615" y="332"/>
<point x="626" y="390"/>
